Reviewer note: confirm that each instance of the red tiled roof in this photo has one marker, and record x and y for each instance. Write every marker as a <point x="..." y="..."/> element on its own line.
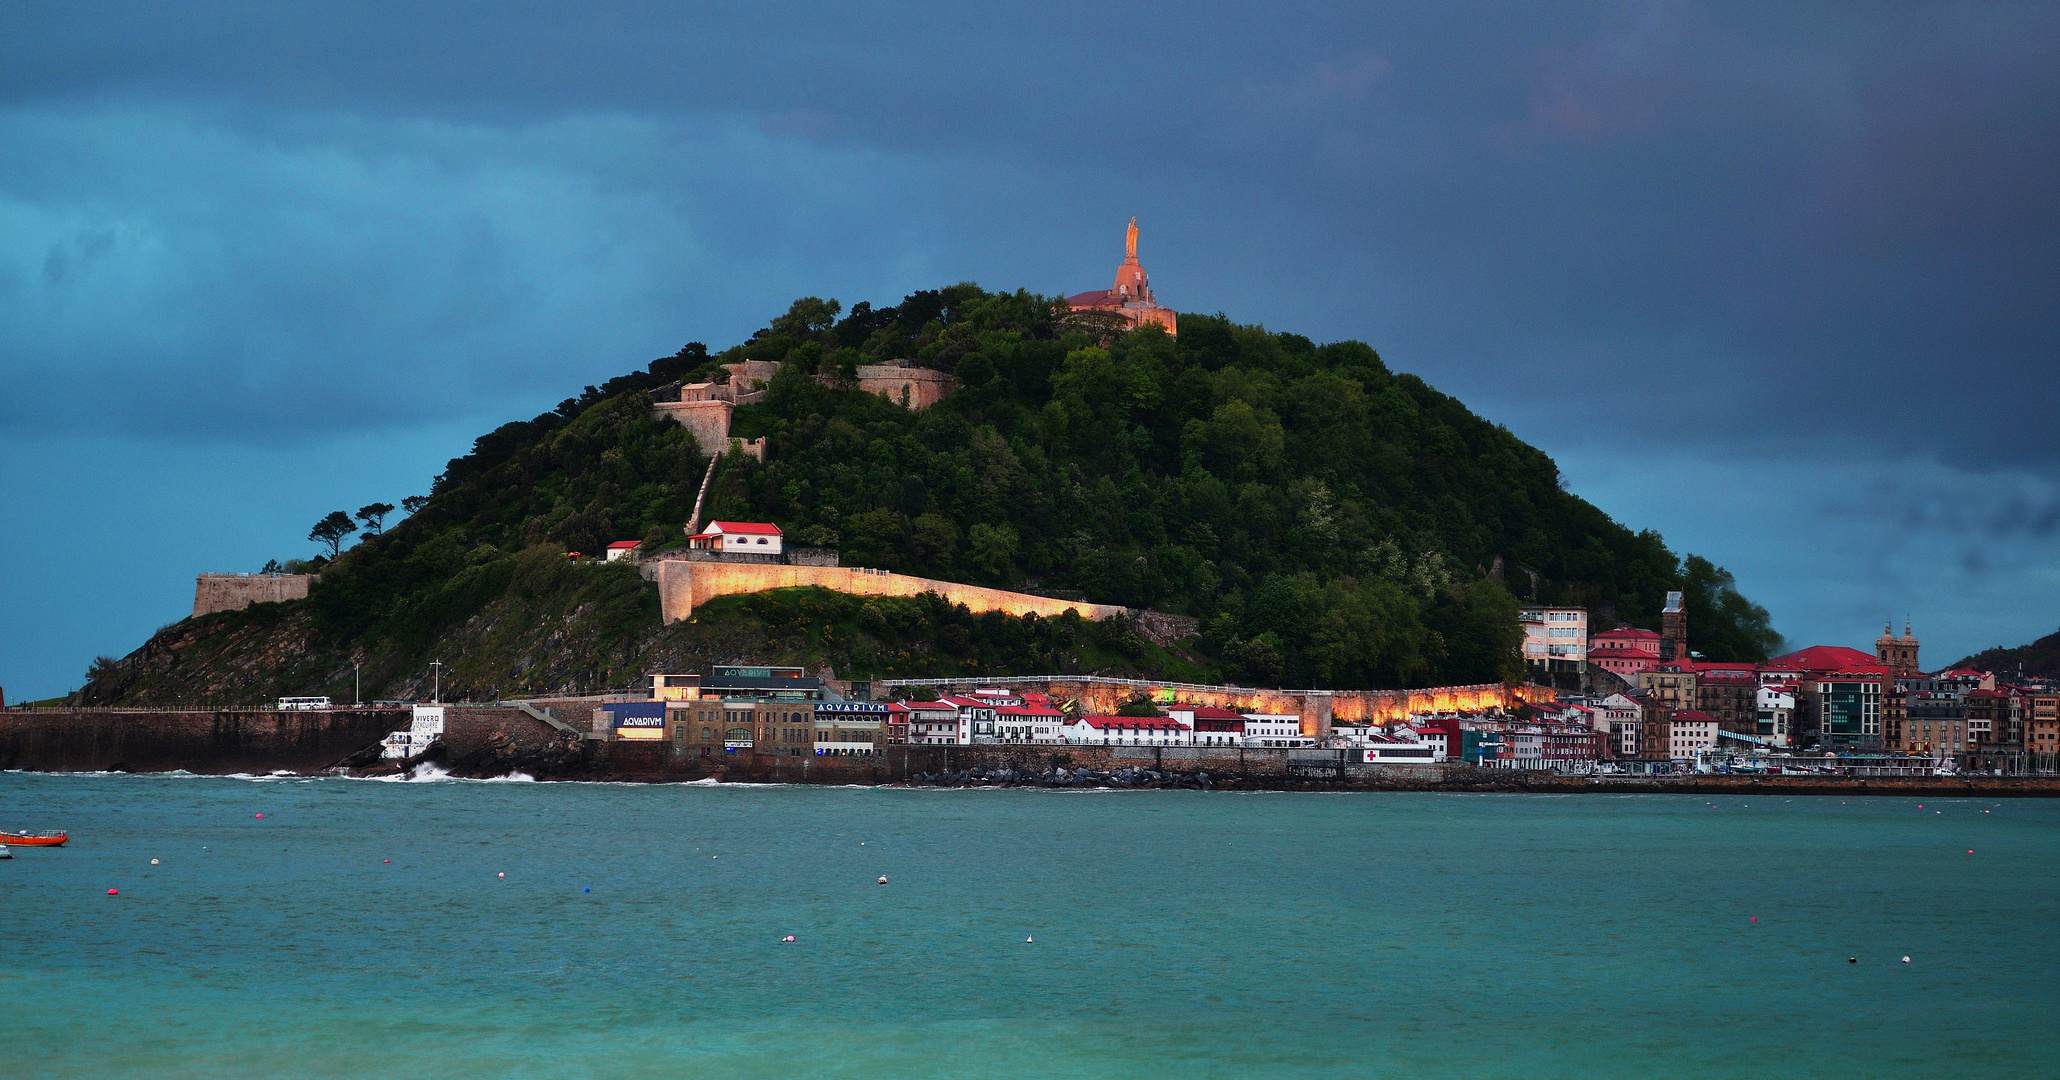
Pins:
<point x="1209" y="712"/>
<point x="620" y="544"/>
<point x="752" y="527"/>
<point x="1821" y="658"/>
<point x="1089" y="299"/>
<point x="1142" y="723"/>
<point x="1630" y="633"/>
<point x="1027" y="710"/>
<point x="1694" y="716"/>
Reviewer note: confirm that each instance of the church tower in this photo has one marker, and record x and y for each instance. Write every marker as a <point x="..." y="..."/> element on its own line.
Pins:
<point x="1897" y="654"/>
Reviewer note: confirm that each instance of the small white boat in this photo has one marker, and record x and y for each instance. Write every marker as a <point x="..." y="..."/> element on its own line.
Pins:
<point x="4" y="853"/>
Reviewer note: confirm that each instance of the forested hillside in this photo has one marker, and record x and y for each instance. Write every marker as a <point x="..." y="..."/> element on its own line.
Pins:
<point x="1329" y="521"/>
<point x="2040" y="659"/>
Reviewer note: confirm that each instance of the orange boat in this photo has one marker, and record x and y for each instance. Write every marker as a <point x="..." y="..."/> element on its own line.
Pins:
<point x="25" y="840"/>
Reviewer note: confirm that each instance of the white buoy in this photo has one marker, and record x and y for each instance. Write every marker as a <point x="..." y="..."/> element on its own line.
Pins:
<point x="883" y="879"/>
<point x="1906" y="959"/>
<point x="1028" y="941"/>
<point x="503" y="873"/>
<point x="153" y="862"/>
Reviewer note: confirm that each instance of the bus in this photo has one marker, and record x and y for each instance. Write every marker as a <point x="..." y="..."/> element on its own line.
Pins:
<point x="304" y="703"/>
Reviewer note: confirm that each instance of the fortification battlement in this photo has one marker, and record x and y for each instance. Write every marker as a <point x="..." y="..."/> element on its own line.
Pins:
<point x="685" y="585"/>
<point x="234" y="592"/>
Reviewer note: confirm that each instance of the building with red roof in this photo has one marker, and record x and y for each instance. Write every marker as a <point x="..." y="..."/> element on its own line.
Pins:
<point x="1820" y="659"/>
<point x="739" y="537"/>
<point x="623" y="549"/>
<point x="1212" y="725"/>
<point x="1128" y="731"/>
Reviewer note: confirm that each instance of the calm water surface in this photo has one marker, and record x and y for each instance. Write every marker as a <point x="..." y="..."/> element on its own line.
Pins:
<point x="1176" y="933"/>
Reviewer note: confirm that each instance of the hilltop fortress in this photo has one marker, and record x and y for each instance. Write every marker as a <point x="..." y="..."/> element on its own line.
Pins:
<point x="706" y="407"/>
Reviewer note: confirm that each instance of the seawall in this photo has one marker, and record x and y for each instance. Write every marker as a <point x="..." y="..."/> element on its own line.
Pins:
<point x="196" y="740"/>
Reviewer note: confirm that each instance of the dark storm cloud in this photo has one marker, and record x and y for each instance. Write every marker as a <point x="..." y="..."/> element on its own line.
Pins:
<point x="1770" y="212"/>
<point x="1809" y="251"/>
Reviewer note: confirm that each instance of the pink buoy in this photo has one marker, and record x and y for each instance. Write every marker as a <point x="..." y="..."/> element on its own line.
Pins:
<point x="114" y="892"/>
<point x="788" y="940"/>
<point x="261" y="815"/>
<point x="1755" y="918"/>
<point x="503" y="873"/>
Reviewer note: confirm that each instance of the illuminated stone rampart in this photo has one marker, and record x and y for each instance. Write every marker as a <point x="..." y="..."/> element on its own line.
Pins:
<point x="1317" y="708"/>
<point x="684" y="586"/>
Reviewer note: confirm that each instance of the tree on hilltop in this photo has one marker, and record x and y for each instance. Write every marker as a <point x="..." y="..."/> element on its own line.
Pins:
<point x="374" y="517"/>
<point x="331" y="530"/>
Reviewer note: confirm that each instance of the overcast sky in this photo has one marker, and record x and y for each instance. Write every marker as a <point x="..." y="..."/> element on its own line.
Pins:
<point x="1780" y="281"/>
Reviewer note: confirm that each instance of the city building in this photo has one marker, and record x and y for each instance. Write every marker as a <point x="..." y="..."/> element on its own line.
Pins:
<point x="745" y="683"/>
<point x="1774" y="713"/>
<point x="2042" y="731"/>
<point x="1385" y="750"/>
<point x="675" y="687"/>
<point x="1935" y="724"/>
<point x="932" y="723"/>
<point x="632" y="720"/>
<point x="1625" y="652"/>
<point x="712" y="727"/>
<point x="1275" y="730"/>
<point x="850" y="728"/>
<point x="1616" y="719"/>
<point x="1850" y="704"/>
<point x="1555" y="639"/>
<point x="1729" y="692"/>
<point x="1690" y="733"/>
<point x="1031" y="721"/>
<point x="1673" y="683"/>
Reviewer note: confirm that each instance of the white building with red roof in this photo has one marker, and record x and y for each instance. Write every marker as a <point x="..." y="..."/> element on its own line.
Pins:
<point x="932" y="723"/>
<point x="1128" y="731"/>
<point x="1275" y="730"/>
<point x="623" y="549"/>
<point x="1213" y="725"/>
<point x="1029" y="722"/>
<point x="739" y="537"/>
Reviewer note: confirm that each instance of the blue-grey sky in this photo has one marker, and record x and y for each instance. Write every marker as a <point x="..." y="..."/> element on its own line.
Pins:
<point x="1781" y="281"/>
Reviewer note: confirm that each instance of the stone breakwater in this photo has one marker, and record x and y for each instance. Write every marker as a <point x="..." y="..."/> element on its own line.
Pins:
<point x="490" y="740"/>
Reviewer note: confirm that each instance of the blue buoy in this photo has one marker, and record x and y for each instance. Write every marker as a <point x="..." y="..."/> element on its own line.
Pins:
<point x="586" y="890"/>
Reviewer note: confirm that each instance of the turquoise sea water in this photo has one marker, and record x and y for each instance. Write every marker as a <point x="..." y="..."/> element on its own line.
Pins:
<point x="1176" y="933"/>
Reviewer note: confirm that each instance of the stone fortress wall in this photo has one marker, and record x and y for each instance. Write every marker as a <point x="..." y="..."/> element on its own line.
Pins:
<point x="234" y="592"/>
<point x="684" y="585"/>
<point x="1317" y="708"/>
<point x="706" y="408"/>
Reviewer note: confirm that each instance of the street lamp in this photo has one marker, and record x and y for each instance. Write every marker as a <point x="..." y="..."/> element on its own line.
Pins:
<point x="436" y="667"/>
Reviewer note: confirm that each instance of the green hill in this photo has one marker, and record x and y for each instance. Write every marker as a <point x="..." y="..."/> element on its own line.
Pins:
<point x="1330" y="522"/>
<point x="2038" y="660"/>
